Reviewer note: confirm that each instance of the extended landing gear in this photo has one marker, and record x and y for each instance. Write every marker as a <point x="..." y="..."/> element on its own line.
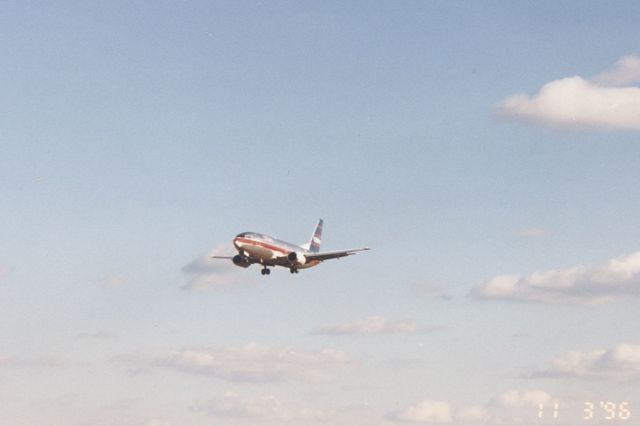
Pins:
<point x="293" y="270"/>
<point x="265" y="271"/>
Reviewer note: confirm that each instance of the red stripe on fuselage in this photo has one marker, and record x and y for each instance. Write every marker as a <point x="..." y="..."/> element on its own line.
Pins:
<point x="262" y="244"/>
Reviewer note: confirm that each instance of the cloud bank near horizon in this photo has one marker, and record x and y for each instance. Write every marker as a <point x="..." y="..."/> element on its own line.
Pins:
<point x="576" y="285"/>
<point x="246" y="363"/>
<point x="618" y="363"/>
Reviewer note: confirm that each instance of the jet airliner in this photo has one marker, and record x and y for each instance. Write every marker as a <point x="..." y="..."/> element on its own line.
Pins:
<point x="268" y="251"/>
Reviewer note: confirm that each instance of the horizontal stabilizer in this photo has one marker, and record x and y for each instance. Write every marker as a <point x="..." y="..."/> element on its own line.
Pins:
<point x="333" y="254"/>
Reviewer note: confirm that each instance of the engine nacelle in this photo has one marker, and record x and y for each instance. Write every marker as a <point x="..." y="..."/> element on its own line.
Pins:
<point x="296" y="258"/>
<point x="241" y="261"/>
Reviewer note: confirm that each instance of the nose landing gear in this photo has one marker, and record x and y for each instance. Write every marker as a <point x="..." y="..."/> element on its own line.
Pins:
<point x="293" y="270"/>
<point x="265" y="271"/>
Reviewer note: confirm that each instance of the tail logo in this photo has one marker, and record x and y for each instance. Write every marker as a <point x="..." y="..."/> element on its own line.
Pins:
<point x="314" y="243"/>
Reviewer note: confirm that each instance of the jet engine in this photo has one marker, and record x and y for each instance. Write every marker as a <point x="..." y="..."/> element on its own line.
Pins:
<point x="241" y="261"/>
<point x="296" y="258"/>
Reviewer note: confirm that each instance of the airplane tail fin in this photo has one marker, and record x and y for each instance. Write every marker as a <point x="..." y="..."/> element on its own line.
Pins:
<point x="314" y="243"/>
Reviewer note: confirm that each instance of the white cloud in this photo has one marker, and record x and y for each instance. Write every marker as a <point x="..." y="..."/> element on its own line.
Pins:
<point x="514" y="407"/>
<point x="619" y="363"/>
<point x="577" y="285"/>
<point x="211" y="274"/>
<point x="472" y="415"/>
<point x="521" y="399"/>
<point x="427" y="411"/>
<point x="256" y="363"/>
<point x="625" y="71"/>
<point x="578" y="102"/>
<point x="506" y="408"/>
<point x="440" y="412"/>
<point x="374" y="325"/>
<point x="232" y="405"/>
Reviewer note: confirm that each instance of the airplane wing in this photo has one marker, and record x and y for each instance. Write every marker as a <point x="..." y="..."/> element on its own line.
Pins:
<point x="326" y="255"/>
<point x="221" y="257"/>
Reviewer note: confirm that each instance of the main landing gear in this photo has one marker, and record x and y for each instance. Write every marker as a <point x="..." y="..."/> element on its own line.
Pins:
<point x="267" y="271"/>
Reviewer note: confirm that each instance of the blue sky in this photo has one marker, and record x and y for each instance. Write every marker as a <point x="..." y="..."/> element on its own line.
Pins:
<point x="463" y="142"/>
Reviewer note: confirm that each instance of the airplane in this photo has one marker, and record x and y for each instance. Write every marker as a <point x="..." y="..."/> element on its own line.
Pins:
<point x="268" y="251"/>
